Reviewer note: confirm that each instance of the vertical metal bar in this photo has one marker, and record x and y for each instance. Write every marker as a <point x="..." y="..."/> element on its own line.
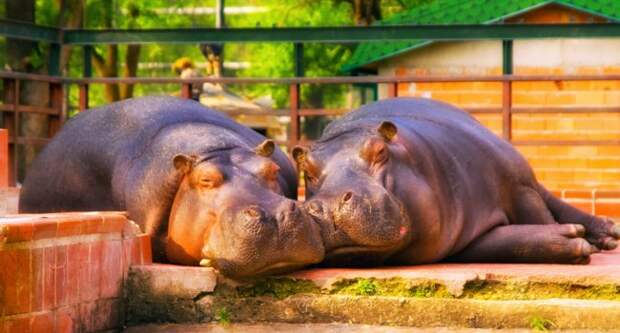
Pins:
<point x="54" y="65"/>
<point x="392" y="89"/>
<point x="507" y="110"/>
<point x="9" y="123"/>
<point x="507" y="68"/>
<point x="83" y="97"/>
<point x="56" y="98"/>
<point x="4" y="158"/>
<point x="294" y="95"/>
<point x="294" y="115"/>
<point x="507" y="57"/>
<point x="14" y="162"/>
<point x="186" y="90"/>
<point x="299" y="59"/>
<point x="88" y="64"/>
<point x="87" y="71"/>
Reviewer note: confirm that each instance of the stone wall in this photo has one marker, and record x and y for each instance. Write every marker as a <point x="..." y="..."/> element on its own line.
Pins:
<point x="65" y="272"/>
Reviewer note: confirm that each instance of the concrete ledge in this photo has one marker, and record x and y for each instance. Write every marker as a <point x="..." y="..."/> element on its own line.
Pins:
<point x="173" y="280"/>
<point x="461" y="295"/>
<point x="417" y="312"/>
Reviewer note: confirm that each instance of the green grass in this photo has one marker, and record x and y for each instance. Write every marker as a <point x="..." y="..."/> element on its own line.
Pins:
<point x="541" y="324"/>
<point x="222" y="316"/>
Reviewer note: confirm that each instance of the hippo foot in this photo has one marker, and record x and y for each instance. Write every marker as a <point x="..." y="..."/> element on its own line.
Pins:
<point x="602" y="233"/>
<point x="577" y="249"/>
<point x="554" y="243"/>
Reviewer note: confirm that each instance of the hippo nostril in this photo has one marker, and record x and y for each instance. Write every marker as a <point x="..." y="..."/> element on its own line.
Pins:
<point x="291" y="207"/>
<point x="347" y="196"/>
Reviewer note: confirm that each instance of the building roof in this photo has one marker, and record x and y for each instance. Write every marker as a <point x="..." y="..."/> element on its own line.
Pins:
<point x="465" y="12"/>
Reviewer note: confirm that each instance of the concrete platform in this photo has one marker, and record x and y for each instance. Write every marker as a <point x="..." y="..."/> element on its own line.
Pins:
<point x="439" y="295"/>
<point x="603" y="269"/>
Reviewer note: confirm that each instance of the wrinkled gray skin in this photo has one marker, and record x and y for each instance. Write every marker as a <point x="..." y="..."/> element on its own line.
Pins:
<point x="412" y="181"/>
<point x="148" y="155"/>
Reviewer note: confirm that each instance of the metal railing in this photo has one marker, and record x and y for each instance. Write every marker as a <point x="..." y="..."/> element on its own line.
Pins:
<point x="11" y="109"/>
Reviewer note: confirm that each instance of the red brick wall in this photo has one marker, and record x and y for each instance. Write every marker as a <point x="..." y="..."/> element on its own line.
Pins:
<point x="64" y="272"/>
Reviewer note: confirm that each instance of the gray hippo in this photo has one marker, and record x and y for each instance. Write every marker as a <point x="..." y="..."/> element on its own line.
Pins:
<point x="412" y="181"/>
<point x="202" y="185"/>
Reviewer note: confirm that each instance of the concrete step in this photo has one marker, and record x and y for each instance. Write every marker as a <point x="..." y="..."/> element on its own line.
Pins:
<point x="439" y="295"/>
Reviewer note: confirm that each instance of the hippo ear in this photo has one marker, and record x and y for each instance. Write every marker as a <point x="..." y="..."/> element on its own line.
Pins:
<point x="388" y="130"/>
<point x="265" y="148"/>
<point x="184" y="162"/>
<point x="299" y="154"/>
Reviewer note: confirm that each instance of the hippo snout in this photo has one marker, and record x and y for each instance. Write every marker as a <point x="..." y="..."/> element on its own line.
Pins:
<point x="289" y="213"/>
<point x="366" y="219"/>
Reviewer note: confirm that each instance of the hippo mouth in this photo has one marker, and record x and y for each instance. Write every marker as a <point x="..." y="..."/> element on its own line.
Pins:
<point x="346" y="249"/>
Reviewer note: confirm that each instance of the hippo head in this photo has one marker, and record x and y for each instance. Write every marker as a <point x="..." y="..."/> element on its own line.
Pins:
<point x="352" y="182"/>
<point x="231" y="212"/>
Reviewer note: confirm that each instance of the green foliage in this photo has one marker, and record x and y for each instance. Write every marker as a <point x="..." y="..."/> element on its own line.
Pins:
<point x="46" y="12"/>
<point x="266" y="60"/>
<point x="223" y="316"/>
<point x="538" y="323"/>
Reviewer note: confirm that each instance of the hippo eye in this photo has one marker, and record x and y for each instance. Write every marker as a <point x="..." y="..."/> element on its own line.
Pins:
<point x="210" y="177"/>
<point x="208" y="183"/>
<point x="375" y="152"/>
<point x="269" y="171"/>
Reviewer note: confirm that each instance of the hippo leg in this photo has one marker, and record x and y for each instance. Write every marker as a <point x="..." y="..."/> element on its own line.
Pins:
<point x="530" y="208"/>
<point x="600" y="232"/>
<point x="530" y="243"/>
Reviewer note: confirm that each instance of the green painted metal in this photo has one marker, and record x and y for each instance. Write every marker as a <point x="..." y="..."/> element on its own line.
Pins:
<point x="54" y="60"/>
<point x="383" y="33"/>
<point x="507" y="56"/>
<point x="88" y="63"/>
<point x="455" y="12"/>
<point x="299" y="59"/>
<point x="27" y="31"/>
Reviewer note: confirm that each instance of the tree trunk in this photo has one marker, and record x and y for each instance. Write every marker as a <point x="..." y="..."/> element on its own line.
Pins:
<point x="71" y="15"/>
<point x="130" y="69"/>
<point x="365" y="11"/>
<point x="108" y="67"/>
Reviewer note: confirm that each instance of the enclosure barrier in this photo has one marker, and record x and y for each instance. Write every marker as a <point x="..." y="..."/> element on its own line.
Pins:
<point x="4" y="158"/>
<point x="65" y="272"/>
<point x="12" y="109"/>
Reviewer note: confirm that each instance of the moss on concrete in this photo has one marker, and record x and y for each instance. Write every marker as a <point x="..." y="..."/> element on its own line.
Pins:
<point x="273" y="287"/>
<point x="477" y="289"/>
<point x="494" y="290"/>
<point x="393" y="301"/>
<point x="389" y="287"/>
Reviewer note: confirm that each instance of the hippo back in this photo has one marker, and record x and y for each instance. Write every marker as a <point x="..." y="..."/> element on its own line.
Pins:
<point x="76" y="169"/>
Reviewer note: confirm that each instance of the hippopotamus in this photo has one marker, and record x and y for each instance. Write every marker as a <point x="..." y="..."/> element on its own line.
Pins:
<point x="414" y="181"/>
<point x="205" y="188"/>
